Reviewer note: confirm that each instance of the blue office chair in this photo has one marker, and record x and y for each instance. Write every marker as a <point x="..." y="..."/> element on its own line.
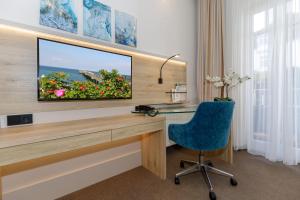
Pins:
<point x="207" y="131"/>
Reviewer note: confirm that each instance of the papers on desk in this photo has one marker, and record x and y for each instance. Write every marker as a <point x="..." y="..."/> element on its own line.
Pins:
<point x="179" y="94"/>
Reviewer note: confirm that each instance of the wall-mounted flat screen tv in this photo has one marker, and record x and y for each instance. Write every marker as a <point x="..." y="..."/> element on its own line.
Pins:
<point x="70" y="72"/>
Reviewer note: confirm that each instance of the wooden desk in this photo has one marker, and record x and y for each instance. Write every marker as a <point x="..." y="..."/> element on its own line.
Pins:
<point x="23" y="148"/>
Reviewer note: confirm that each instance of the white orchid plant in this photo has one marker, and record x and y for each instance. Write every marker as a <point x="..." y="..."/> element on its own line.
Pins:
<point x="227" y="82"/>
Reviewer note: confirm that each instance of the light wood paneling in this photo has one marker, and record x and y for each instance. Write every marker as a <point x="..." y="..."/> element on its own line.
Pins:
<point x="154" y="153"/>
<point x="1" y="183"/>
<point x="228" y="154"/>
<point x="16" y="136"/>
<point x="45" y="148"/>
<point x="18" y="77"/>
<point x="42" y="132"/>
<point x="135" y="130"/>
<point x="42" y="161"/>
<point x="38" y="149"/>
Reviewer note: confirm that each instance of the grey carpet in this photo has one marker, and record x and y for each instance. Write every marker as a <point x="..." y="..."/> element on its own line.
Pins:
<point x="258" y="179"/>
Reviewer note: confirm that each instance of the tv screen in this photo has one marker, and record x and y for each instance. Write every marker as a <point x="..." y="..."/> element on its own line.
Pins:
<point x="70" y="72"/>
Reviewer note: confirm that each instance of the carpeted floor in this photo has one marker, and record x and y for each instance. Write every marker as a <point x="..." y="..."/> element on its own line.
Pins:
<point x="258" y="179"/>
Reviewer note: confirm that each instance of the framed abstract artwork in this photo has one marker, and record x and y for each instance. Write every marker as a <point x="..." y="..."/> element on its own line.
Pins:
<point x="96" y="20"/>
<point x="125" y="29"/>
<point x="58" y="14"/>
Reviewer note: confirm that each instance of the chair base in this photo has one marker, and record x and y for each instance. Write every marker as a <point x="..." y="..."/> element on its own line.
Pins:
<point x="204" y="167"/>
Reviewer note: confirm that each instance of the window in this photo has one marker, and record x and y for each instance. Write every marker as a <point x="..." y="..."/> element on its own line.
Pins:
<point x="264" y="23"/>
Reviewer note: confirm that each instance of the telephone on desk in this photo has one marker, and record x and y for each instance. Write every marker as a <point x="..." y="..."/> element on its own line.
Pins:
<point x="146" y="109"/>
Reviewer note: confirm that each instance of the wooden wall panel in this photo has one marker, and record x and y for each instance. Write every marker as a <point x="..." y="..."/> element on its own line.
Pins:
<point x="18" y="77"/>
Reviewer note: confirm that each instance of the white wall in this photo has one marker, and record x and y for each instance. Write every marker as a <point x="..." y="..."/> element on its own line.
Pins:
<point x="165" y="27"/>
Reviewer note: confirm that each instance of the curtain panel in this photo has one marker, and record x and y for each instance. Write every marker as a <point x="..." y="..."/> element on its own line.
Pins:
<point x="210" y="46"/>
<point x="262" y="39"/>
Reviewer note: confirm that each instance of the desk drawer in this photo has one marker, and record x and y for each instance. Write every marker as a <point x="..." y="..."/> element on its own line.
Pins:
<point x="130" y="131"/>
<point x="25" y="152"/>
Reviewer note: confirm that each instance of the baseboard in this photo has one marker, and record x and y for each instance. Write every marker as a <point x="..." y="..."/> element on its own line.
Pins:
<point x="57" y="186"/>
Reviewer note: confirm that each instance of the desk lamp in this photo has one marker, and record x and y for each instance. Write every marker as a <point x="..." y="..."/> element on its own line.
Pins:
<point x="160" y="80"/>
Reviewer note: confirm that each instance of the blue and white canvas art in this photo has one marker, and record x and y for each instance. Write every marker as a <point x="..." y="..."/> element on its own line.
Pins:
<point x="96" y="20"/>
<point x="58" y="14"/>
<point x="125" y="29"/>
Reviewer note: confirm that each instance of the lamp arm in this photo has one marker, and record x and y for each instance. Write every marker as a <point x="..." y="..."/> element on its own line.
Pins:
<point x="165" y="64"/>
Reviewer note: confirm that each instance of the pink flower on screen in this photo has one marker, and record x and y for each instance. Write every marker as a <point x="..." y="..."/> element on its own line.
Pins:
<point x="59" y="93"/>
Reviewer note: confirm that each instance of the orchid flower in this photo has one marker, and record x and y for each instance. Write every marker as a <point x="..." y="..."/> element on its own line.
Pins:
<point x="227" y="82"/>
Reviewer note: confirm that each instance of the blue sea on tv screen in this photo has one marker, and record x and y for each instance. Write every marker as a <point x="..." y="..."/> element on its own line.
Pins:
<point x="74" y="74"/>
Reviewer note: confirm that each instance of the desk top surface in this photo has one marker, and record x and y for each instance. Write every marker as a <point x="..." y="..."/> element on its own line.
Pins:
<point x="176" y="110"/>
<point x="15" y="136"/>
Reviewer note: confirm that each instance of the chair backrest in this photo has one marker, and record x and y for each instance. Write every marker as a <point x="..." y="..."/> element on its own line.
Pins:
<point x="210" y="125"/>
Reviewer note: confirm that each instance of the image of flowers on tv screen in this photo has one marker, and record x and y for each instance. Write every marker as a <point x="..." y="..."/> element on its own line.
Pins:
<point x="101" y="85"/>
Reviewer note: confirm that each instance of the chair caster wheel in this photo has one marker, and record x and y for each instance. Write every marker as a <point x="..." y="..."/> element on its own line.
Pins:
<point x="176" y="181"/>
<point x="212" y="196"/>
<point x="233" y="182"/>
<point x="181" y="164"/>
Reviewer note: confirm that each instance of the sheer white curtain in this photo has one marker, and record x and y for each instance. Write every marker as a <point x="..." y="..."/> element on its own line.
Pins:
<point x="262" y="39"/>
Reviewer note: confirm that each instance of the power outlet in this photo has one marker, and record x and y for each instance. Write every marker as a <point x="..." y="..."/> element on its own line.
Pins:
<point x="3" y="123"/>
<point x="14" y="120"/>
